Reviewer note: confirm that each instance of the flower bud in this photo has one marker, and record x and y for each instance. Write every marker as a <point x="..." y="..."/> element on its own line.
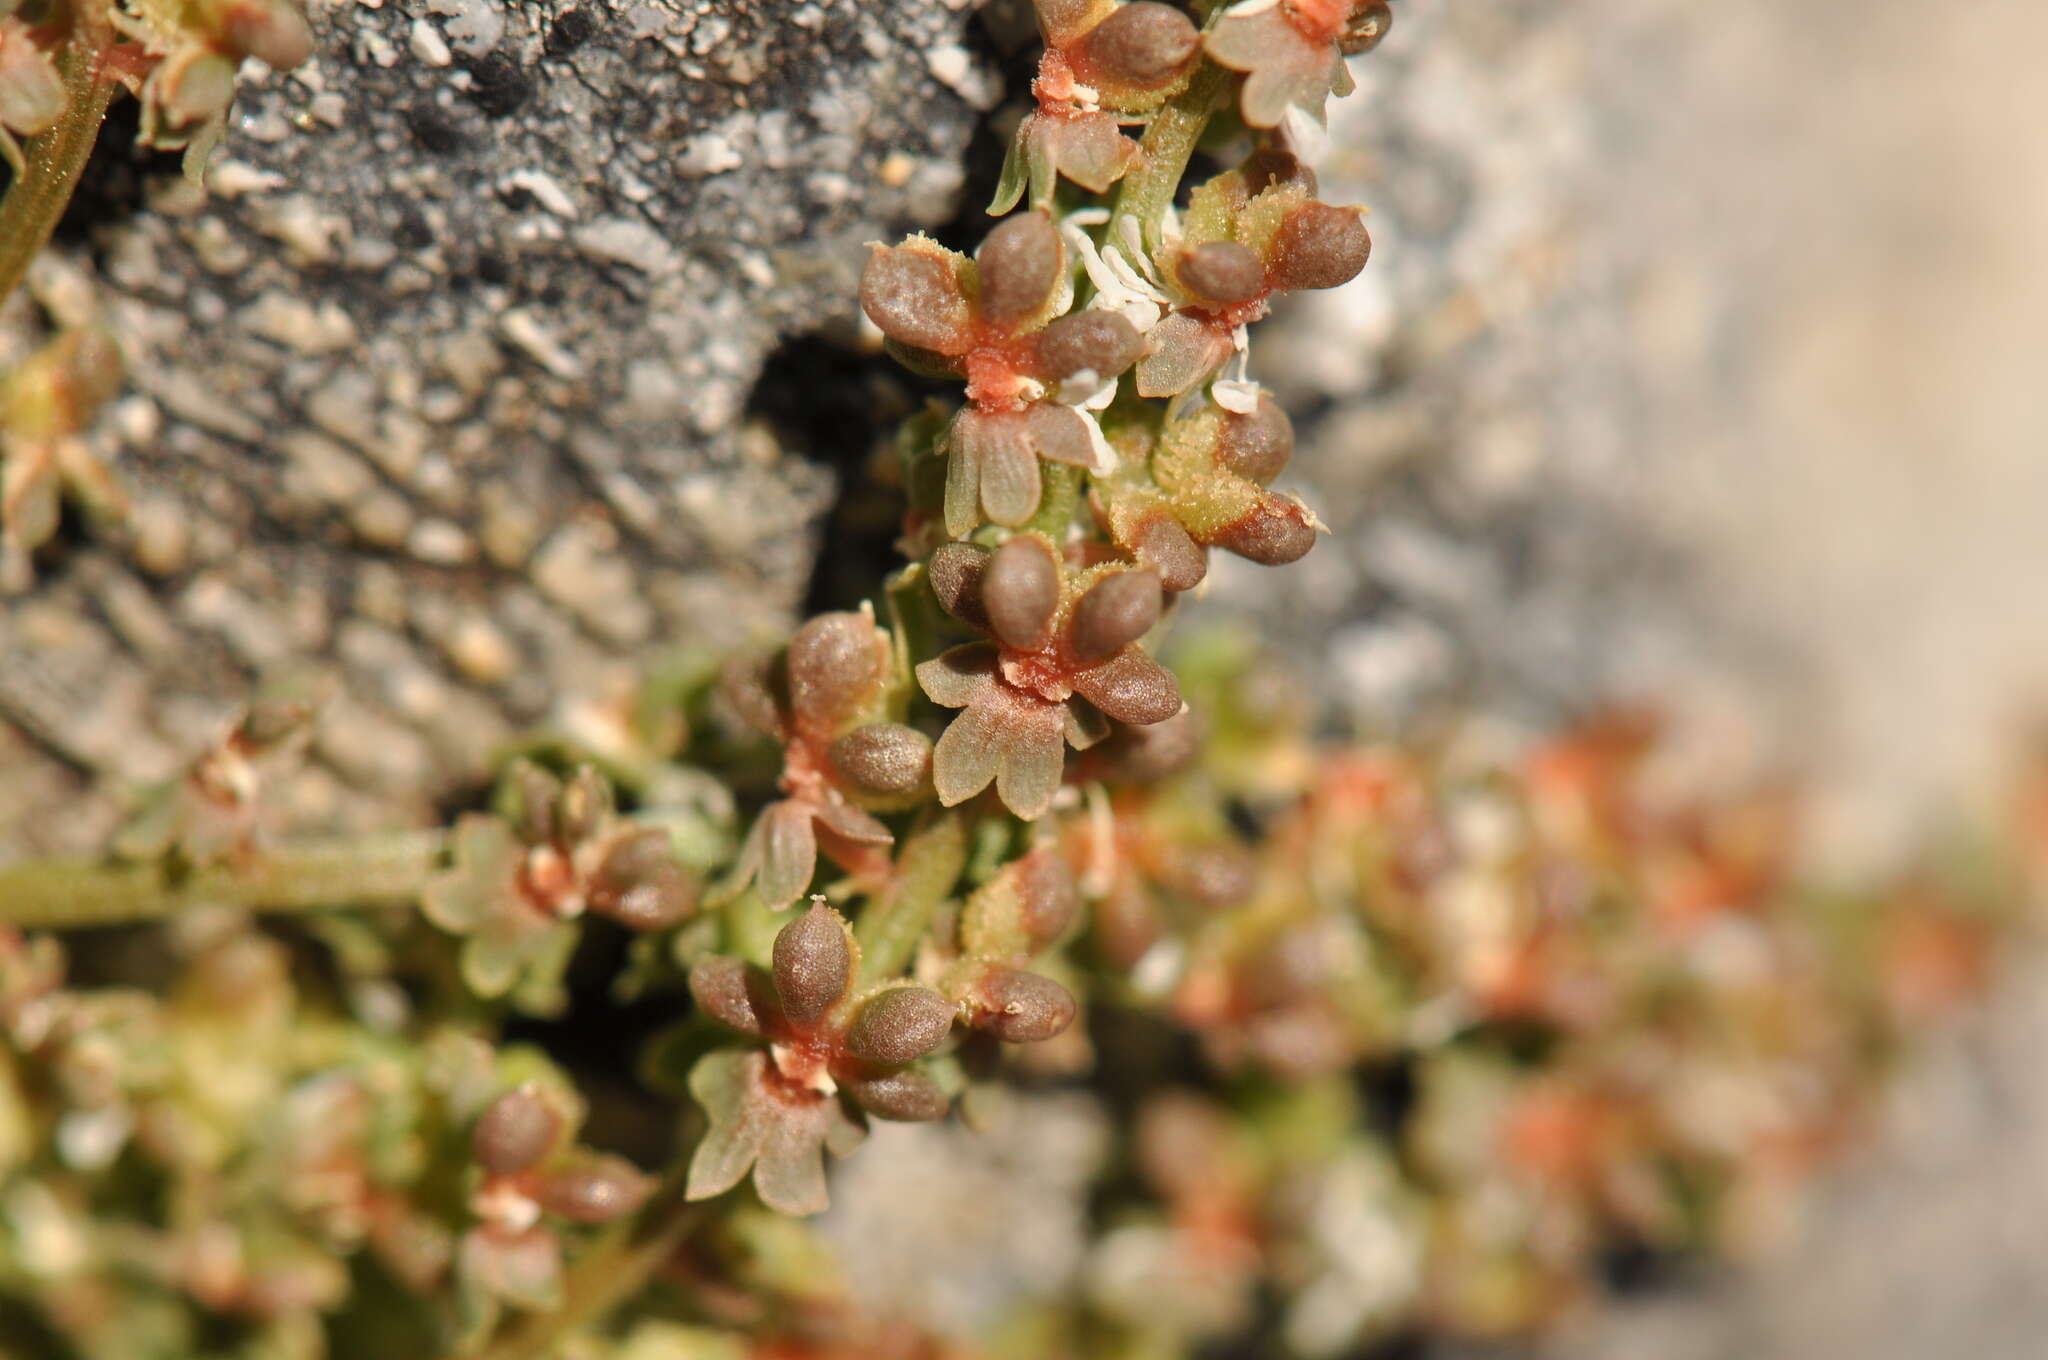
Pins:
<point x="1020" y="265"/>
<point x="914" y="298"/>
<point x="1046" y="892"/>
<point x="899" y="1025"/>
<point x="884" y="758"/>
<point x="725" y="988"/>
<point x="1117" y="611"/>
<point x="1365" y="30"/>
<point x="1021" y="1008"/>
<point x="1020" y="589"/>
<point x="639" y="884"/>
<point x="908" y="1096"/>
<point x="1320" y="246"/>
<point x="271" y="31"/>
<point x="1257" y="447"/>
<point x="1096" y="341"/>
<point x="813" y="962"/>
<point x="515" y="1131"/>
<point x="599" y="1191"/>
<point x="1271" y="165"/>
<point x="584" y="807"/>
<point x="1162" y="543"/>
<point x="835" y="662"/>
<point x="955" y="573"/>
<point x="194" y="85"/>
<point x="1272" y="533"/>
<point x="1143" y="43"/>
<point x="1221" y="272"/>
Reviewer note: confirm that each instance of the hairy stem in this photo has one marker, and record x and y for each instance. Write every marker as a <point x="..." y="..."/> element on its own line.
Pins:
<point x="1147" y="192"/>
<point x="55" y="159"/>
<point x="615" y="1268"/>
<point x="373" y="871"/>
<point x="891" y="926"/>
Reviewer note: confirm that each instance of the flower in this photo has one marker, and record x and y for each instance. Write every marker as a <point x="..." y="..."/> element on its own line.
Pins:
<point x="826" y="697"/>
<point x="775" y="1111"/>
<point x="1064" y="656"/>
<point x="1292" y="52"/>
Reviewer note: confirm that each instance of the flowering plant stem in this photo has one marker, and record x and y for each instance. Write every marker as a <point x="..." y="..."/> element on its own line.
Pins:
<point x="893" y="923"/>
<point x="1147" y="192"/>
<point x="55" y="159"/>
<point x="369" y="871"/>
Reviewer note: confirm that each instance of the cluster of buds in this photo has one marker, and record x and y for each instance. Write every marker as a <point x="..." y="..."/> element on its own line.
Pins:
<point x="182" y="57"/>
<point x="519" y="881"/>
<point x="216" y="811"/>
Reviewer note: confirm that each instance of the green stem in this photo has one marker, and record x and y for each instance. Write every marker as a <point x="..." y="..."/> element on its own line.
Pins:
<point x="55" y="159"/>
<point x="1147" y="192"/>
<point x="614" y="1269"/>
<point x="891" y="926"/>
<point x="1062" y="483"/>
<point x="373" y="871"/>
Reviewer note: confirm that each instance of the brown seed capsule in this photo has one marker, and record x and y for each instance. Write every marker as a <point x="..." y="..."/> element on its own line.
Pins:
<point x="1096" y="341"/>
<point x="1117" y="611"/>
<point x="515" y="1131"/>
<point x="914" y="298"/>
<point x="639" y="884"/>
<point x="1021" y="1008"/>
<point x="1144" y="754"/>
<point x="1020" y="589"/>
<point x="1368" y="26"/>
<point x="884" y="758"/>
<point x="908" y="1096"/>
<point x="1125" y="925"/>
<point x="1221" y="272"/>
<point x="955" y="572"/>
<point x="584" y="807"/>
<point x="899" y="1025"/>
<point x="1257" y="446"/>
<point x="1320" y="246"/>
<point x="835" y="662"/>
<point x="603" y="1189"/>
<point x="1161" y="543"/>
<point x="1045" y="888"/>
<point x="812" y="963"/>
<point x="534" y="793"/>
<point x="746" y="688"/>
<point x="725" y="989"/>
<point x="1020" y="266"/>
<point x="1273" y="533"/>
<point x="1144" y="43"/>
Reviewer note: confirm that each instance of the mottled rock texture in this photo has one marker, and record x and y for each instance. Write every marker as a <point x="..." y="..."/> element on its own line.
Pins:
<point x="440" y="393"/>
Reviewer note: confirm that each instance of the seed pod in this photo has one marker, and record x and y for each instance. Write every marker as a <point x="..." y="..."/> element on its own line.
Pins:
<point x="272" y="32"/>
<point x="1125" y="925"/>
<point x="1096" y="341"/>
<point x="515" y="1131"/>
<point x="813" y="962"/>
<point x="1047" y="894"/>
<point x="1257" y="447"/>
<point x="1271" y="165"/>
<point x="955" y="572"/>
<point x="1021" y="1008"/>
<point x="599" y="1191"/>
<point x="1221" y="272"/>
<point x="1320" y="246"/>
<point x="899" y="1025"/>
<point x="908" y="1096"/>
<point x="1144" y="43"/>
<point x="639" y="884"/>
<point x="884" y="758"/>
<point x="1367" y="28"/>
<point x="915" y="299"/>
<point x="1020" y="264"/>
<point x="724" y="988"/>
<point x="1020" y="589"/>
<point x="835" y="663"/>
<point x="1117" y="611"/>
<point x="1272" y="533"/>
<point x="534" y="793"/>
<point x="1162" y="543"/>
